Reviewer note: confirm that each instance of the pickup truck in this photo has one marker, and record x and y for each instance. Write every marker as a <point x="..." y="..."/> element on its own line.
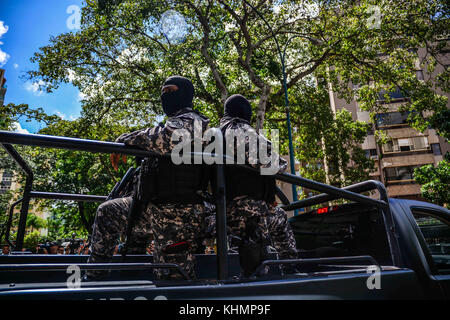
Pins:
<point x="370" y="248"/>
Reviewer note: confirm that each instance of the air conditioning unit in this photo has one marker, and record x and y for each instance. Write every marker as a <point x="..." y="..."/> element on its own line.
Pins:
<point x="374" y="157"/>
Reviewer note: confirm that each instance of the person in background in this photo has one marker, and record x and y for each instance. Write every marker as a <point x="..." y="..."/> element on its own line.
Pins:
<point x="5" y="249"/>
<point x="53" y="248"/>
<point x="60" y="250"/>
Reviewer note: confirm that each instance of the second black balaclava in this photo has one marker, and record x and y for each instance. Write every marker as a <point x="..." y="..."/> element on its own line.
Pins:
<point x="238" y="106"/>
<point x="180" y="99"/>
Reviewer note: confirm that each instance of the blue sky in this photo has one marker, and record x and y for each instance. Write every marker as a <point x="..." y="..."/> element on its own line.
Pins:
<point x="25" y="26"/>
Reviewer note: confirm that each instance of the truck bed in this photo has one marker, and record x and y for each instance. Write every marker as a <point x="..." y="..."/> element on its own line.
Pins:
<point x="327" y="281"/>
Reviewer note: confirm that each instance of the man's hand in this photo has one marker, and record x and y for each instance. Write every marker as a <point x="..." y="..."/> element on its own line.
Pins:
<point x="115" y="158"/>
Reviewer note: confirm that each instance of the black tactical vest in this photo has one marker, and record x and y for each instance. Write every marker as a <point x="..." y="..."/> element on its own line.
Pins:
<point x="240" y="182"/>
<point x="162" y="182"/>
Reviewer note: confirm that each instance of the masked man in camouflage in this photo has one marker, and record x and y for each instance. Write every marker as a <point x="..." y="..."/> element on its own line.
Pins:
<point x="174" y="209"/>
<point x="252" y="214"/>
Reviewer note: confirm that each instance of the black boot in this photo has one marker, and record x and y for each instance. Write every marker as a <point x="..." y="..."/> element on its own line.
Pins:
<point x="251" y="255"/>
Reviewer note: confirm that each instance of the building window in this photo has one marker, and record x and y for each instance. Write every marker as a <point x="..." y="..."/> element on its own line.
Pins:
<point x="371" y="153"/>
<point x="395" y="95"/>
<point x="400" y="173"/>
<point x="406" y="144"/>
<point x="391" y="119"/>
<point x="7" y="174"/>
<point x="3" y="189"/>
<point x="436" y="147"/>
<point x="6" y="183"/>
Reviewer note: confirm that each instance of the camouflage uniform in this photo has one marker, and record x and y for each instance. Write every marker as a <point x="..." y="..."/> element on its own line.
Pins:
<point x="273" y="221"/>
<point x="110" y="223"/>
<point x="169" y="223"/>
<point x="280" y="232"/>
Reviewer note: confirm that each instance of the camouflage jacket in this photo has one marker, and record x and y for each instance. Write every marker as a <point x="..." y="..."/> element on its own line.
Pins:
<point x="159" y="138"/>
<point x="228" y="123"/>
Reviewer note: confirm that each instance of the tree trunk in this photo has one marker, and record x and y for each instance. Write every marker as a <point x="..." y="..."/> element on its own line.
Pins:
<point x="261" y="111"/>
<point x="325" y="161"/>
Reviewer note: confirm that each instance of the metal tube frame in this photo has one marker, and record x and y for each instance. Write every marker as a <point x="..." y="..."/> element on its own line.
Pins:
<point x="315" y="260"/>
<point x="26" y="194"/>
<point x="90" y="266"/>
<point x="9" y="222"/>
<point x="330" y="192"/>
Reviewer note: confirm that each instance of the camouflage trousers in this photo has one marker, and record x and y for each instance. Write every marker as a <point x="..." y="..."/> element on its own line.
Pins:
<point x="176" y="224"/>
<point x="110" y="224"/>
<point x="246" y="220"/>
<point x="280" y="233"/>
<point x="167" y="224"/>
<point x="272" y="224"/>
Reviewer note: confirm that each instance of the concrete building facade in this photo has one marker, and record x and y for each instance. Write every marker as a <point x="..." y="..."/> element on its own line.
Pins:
<point x="2" y="87"/>
<point x="407" y="149"/>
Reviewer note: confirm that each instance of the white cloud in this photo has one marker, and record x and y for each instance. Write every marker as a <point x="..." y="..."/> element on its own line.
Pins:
<point x="71" y="75"/>
<point x="132" y="54"/>
<point x="34" y="87"/>
<point x="3" y="55"/>
<point x="16" y="66"/>
<point x="18" y="128"/>
<point x="81" y="96"/>
<point x="61" y="115"/>
<point x="276" y="8"/>
<point x="3" y="58"/>
<point x="3" y="28"/>
<point x="64" y="116"/>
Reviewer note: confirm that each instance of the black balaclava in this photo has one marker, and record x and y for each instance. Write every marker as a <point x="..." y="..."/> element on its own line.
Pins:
<point x="180" y="99"/>
<point x="238" y="106"/>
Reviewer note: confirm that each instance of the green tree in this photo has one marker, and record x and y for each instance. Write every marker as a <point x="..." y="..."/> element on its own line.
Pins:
<point x="32" y="240"/>
<point x="35" y="222"/>
<point x="10" y="115"/>
<point x="122" y="54"/>
<point x="327" y="145"/>
<point x="435" y="181"/>
<point x="75" y="172"/>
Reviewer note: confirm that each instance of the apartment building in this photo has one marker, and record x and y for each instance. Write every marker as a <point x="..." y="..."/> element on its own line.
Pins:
<point x="407" y="148"/>
<point x="2" y="87"/>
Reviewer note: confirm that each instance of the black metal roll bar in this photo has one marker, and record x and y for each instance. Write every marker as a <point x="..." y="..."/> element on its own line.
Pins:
<point x="67" y="196"/>
<point x="90" y="266"/>
<point x="299" y="262"/>
<point x="358" y="187"/>
<point x="330" y="192"/>
<point x="9" y="222"/>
